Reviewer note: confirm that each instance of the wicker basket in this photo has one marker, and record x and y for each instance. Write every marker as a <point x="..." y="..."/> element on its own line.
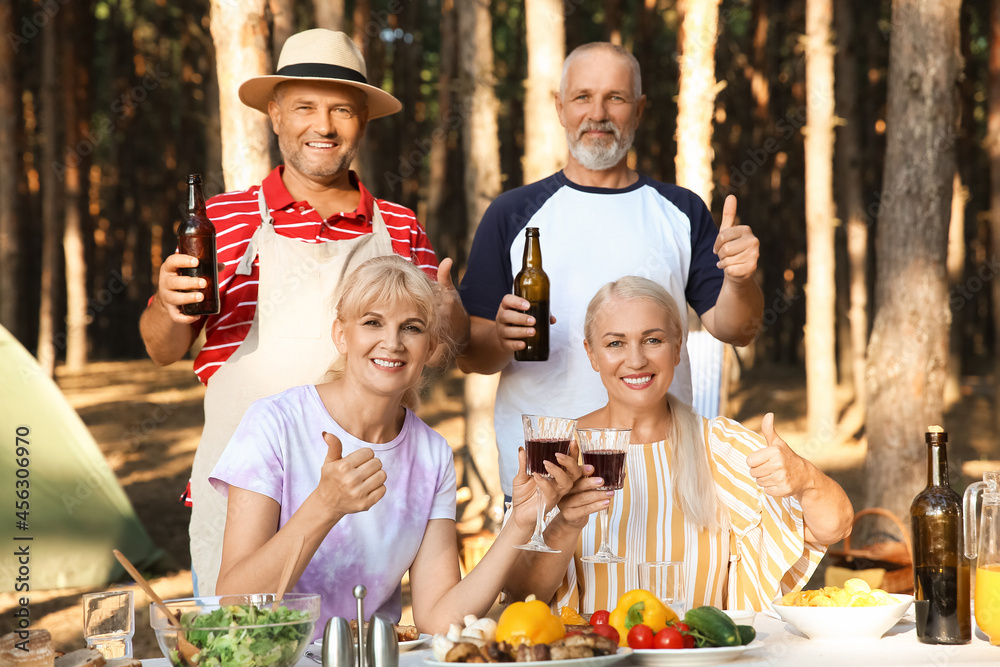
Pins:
<point x="895" y="557"/>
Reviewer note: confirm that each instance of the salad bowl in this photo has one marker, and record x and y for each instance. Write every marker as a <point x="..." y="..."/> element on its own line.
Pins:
<point x="238" y="629"/>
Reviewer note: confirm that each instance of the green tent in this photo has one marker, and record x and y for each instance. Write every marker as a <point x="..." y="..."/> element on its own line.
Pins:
<point x="72" y="510"/>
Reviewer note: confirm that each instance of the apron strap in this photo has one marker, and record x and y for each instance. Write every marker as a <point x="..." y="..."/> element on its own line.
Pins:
<point x="267" y="225"/>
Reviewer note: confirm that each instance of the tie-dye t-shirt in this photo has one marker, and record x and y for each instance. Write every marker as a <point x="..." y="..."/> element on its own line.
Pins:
<point x="278" y="450"/>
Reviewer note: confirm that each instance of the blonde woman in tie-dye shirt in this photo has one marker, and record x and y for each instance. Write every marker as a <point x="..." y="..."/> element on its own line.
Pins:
<point x="748" y="517"/>
<point x="347" y="470"/>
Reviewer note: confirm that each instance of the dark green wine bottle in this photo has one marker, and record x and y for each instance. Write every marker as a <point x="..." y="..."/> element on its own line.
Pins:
<point x="940" y="569"/>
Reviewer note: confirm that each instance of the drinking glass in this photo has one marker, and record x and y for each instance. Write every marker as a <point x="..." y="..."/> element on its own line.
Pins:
<point x="544" y="437"/>
<point x="665" y="580"/>
<point x="108" y="622"/>
<point x="605" y="449"/>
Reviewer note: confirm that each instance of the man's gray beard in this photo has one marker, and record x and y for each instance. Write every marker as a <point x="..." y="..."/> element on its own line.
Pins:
<point x="600" y="157"/>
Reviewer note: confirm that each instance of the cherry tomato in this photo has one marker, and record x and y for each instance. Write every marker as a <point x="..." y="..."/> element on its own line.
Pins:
<point x="640" y="636"/>
<point x="600" y="617"/>
<point x="684" y="630"/>
<point x="668" y="637"/>
<point x="607" y="631"/>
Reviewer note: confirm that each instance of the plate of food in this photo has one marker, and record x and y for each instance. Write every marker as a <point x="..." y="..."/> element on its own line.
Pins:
<point x="594" y="661"/>
<point x="685" y="657"/>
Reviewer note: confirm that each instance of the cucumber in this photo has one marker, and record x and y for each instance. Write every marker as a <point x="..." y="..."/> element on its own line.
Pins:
<point x="747" y="634"/>
<point x="714" y="625"/>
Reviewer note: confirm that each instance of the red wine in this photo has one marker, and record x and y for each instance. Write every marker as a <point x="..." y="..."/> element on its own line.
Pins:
<point x="544" y="449"/>
<point x="941" y="594"/>
<point x="608" y="464"/>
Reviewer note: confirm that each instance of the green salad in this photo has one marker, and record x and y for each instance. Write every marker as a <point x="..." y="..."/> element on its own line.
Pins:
<point x="240" y="643"/>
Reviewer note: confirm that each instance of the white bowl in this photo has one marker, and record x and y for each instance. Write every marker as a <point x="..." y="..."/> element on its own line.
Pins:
<point x="741" y="616"/>
<point x="840" y="623"/>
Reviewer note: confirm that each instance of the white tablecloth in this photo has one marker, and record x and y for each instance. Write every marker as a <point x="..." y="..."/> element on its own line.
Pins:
<point x="783" y="645"/>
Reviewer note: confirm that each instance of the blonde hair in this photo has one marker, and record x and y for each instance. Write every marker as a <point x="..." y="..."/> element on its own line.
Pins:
<point x="690" y="475"/>
<point x="386" y="282"/>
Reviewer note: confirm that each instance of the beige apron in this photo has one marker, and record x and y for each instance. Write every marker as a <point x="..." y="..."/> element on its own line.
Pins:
<point x="289" y="344"/>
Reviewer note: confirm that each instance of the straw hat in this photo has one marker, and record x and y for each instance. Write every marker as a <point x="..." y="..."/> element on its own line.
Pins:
<point x="319" y="55"/>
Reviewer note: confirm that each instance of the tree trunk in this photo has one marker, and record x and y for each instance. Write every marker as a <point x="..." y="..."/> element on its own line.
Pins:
<point x="696" y="97"/>
<point x="239" y="32"/>
<point x="407" y="140"/>
<point x="437" y="225"/>
<point x="8" y="185"/>
<point x="330" y="14"/>
<point x="74" y="87"/>
<point x="956" y="269"/>
<point x="613" y="21"/>
<point x="46" y="351"/>
<point x="544" y="137"/>
<point x="993" y="147"/>
<point x="481" y="145"/>
<point x="283" y="20"/>
<point x="849" y="185"/>
<point x="908" y="352"/>
<point x="821" y="366"/>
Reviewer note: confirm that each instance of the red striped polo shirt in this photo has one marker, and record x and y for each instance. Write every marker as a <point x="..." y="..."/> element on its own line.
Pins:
<point x="236" y="217"/>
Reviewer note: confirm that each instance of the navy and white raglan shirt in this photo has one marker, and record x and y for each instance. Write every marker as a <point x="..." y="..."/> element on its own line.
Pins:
<point x="589" y="236"/>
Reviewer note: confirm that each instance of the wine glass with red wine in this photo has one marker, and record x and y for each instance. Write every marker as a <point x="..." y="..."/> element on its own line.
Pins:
<point x="605" y="449"/>
<point x="544" y="437"/>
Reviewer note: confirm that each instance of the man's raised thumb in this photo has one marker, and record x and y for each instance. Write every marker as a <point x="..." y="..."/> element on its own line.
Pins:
<point x="444" y="274"/>
<point x="728" y="213"/>
<point x="767" y="426"/>
<point x="335" y="449"/>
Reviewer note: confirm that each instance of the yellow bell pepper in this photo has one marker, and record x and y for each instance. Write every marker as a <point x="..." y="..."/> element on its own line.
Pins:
<point x="529" y="622"/>
<point x="639" y="606"/>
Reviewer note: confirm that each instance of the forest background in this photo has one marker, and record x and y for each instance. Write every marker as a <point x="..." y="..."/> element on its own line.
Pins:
<point x="862" y="140"/>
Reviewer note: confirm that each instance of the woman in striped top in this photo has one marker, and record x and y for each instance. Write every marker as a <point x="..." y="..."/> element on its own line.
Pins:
<point x="748" y="517"/>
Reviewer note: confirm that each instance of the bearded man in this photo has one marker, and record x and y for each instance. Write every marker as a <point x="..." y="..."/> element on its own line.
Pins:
<point x="598" y="220"/>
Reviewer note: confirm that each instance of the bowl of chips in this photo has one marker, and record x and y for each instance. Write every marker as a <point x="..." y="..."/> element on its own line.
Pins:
<point x="855" y="611"/>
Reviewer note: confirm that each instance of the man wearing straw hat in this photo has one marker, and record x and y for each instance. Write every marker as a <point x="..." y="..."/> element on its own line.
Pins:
<point x="284" y="246"/>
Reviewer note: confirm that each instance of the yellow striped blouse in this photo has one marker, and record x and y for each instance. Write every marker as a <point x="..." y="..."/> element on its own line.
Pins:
<point x="763" y="555"/>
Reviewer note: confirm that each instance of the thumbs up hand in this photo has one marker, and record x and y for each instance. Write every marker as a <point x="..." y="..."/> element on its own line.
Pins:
<point x="335" y="448"/>
<point x="779" y="471"/>
<point x="452" y="314"/>
<point x="738" y="249"/>
<point x="352" y="484"/>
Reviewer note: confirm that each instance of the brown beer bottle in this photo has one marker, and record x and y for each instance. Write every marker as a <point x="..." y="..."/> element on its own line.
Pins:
<point x="196" y="237"/>
<point x="940" y="569"/>
<point x="532" y="284"/>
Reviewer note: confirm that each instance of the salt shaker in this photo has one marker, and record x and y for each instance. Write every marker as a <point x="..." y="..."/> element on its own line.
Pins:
<point x="338" y="645"/>
<point x="383" y="644"/>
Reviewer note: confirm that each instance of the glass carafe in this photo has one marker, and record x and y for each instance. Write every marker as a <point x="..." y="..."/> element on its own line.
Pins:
<point x="987" y="549"/>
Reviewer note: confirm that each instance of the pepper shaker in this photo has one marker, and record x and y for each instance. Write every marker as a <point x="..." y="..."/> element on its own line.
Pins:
<point x="383" y="644"/>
